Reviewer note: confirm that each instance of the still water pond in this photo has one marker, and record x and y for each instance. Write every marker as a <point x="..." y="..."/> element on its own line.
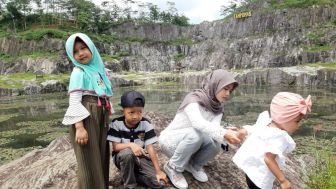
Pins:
<point x="30" y="122"/>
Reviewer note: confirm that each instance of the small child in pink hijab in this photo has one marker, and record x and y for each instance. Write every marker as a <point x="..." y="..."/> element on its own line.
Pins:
<point x="263" y="153"/>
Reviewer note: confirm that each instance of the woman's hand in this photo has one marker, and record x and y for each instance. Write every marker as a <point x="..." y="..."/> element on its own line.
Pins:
<point x="82" y="136"/>
<point x="137" y="150"/>
<point x="242" y="134"/>
<point x="232" y="137"/>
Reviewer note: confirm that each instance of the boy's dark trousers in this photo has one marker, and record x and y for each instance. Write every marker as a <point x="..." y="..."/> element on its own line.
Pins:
<point x="135" y="169"/>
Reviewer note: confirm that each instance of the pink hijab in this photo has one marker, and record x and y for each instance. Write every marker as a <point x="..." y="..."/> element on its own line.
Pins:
<point x="286" y="106"/>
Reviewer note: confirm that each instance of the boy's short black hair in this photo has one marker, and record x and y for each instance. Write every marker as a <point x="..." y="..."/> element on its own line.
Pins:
<point x="132" y="99"/>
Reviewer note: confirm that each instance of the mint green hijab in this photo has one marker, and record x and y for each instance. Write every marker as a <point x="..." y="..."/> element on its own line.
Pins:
<point x="94" y="72"/>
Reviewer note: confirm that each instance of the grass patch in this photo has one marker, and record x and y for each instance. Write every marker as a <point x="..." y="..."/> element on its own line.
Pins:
<point x="317" y="48"/>
<point x="117" y="56"/>
<point x="14" y="81"/>
<point x="323" y="174"/>
<point x="43" y="54"/>
<point x="179" y="57"/>
<point x="327" y="65"/>
<point x="315" y="35"/>
<point x="181" y="41"/>
<point x="108" y="58"/>
<point x="7" y="58"/>
<point x="38" y="34"/>
<point x="4" y="34"/>
<point x="10" y="84"/>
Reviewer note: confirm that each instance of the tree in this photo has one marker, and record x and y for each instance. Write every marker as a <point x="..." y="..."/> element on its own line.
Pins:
<point x="234" y="6"/>
<point x="229" y="9"/>
<point x="166" y="17"/>
<point x="14" y="14"/>
<point x="180" y="20"/>
<point x="154" y="13"/>
<point x="2" y="6"/>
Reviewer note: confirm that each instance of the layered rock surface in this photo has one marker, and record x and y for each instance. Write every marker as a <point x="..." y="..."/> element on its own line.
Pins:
<point x="55" y="167"/>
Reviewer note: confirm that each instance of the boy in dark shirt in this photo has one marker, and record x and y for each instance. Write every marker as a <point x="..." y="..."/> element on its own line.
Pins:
<point x="132" y="138"/>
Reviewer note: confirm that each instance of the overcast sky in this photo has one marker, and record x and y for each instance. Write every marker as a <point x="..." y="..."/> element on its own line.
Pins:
<point x="196" y="10"/>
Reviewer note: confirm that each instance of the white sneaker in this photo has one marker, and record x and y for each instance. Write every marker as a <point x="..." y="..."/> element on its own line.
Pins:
<point x="199" y="175"/>
<point x="175" y="177"/>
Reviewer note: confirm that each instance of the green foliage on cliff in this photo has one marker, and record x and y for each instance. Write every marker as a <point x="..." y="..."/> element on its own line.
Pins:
<point x="315" y="35"/>
<point x="42" y="33"/>
<point x="15" y="80"/>
<point x="4" y="34"/>
<point x="300" y="3"/>
<point x="179" y="57"/>
<point x="327" y="65"/>
<point x="7" y="58"/>
<point x="317" y="48"/>
<point x="116" y="56"/>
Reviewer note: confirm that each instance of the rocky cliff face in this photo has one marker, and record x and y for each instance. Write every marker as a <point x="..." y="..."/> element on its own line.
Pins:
<point x="278" y="38"/>
<point x="266" y="39"/>
<point x="55" y="167"/>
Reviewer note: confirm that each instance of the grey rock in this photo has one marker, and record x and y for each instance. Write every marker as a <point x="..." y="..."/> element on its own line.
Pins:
<point x="55" y="167"/>
<point x="50" y="86"/>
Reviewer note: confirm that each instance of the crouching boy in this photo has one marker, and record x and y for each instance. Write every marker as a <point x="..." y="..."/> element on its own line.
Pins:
<point x="132" y="138"/>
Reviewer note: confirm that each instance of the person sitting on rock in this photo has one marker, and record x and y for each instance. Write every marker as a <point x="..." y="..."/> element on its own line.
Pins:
<point x="132" y="138"/>
<point x="263" y="153"/>
<point x="195" y="135"/>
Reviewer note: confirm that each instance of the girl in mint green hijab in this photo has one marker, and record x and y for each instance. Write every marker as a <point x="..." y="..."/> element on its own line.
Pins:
<point x="94" y="71"/>
<point x="88" y="112"/>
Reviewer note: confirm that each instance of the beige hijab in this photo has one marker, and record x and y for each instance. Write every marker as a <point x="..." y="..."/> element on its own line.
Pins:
<point x="206" y="96"/>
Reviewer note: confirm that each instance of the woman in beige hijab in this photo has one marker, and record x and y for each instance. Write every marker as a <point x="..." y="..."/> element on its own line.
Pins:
<point x="194" y="136"/>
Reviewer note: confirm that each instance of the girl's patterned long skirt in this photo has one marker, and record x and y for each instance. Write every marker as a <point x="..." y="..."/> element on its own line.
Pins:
<point x="93" y="158"/>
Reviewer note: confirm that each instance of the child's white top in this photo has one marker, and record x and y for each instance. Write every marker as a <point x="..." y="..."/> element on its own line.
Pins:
<point x="263" y="139"/>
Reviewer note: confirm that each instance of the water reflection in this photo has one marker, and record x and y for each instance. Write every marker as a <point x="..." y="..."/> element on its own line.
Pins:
<point x="31" y="121"/>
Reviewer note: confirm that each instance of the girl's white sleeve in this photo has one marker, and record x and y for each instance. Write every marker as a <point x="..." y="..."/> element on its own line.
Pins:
<point x="211" y="128"/>
<point x="76" y="111"/>
<point x="263" y="120"/>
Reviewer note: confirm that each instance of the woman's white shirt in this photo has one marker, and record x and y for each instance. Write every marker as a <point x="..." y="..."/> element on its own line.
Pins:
<point x="199" y="118"/>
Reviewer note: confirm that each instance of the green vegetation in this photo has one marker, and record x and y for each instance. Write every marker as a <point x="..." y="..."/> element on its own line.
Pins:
<point x="180" y="41"/>
<point x="323" y="174"/>
<point x="315" y="35"/>
<point x="41" y="33"/>
<point x="117" y="56"/>
<point x="327" y="65"/>
<point x="179" y="57"/>
<point x="81" y="15"/>
<point x="4" y="34"/>
<point x="300" y="3"/>
<point x="14" y="81"/>
<point x="7" y="58"/>
<point x="43" y="54"/>
<point x="317" y="48"/>
<point x="254" y="5"/>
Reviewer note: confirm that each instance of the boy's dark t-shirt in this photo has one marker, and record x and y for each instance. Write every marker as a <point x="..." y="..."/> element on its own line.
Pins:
<point x="142" y="134"/>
